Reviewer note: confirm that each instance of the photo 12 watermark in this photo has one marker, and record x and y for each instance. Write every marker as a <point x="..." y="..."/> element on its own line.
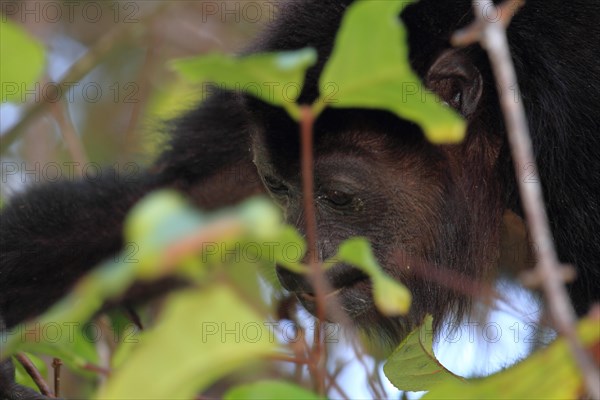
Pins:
<point x="54" y="12"/>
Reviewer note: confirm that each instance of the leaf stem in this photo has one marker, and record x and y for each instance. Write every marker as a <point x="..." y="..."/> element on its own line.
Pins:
<point x="316" y="276"/>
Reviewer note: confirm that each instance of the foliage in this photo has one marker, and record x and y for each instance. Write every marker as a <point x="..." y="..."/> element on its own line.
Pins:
<point x="186" y="349"/>
<point x="381" y="76"/>
<point x="413" y="365"/>
<point x="549" y="373"/>
<point x="391" y="297"/>
<point x="254" y="74"/>
<point x="15" y="74"/>
<point x="163" y="353"/>
<point x="265" y="390"/>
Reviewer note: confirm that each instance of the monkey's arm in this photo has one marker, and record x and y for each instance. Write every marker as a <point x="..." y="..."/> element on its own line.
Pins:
<point x="54" y="233"/>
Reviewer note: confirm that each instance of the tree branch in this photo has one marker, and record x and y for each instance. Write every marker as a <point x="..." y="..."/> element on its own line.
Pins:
<point x="35" y="374"/>
<point x="492" y="36"/>
<point x="107" y="43"/>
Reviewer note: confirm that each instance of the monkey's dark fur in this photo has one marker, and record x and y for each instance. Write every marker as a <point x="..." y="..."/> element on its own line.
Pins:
<point x="424" y="207"/>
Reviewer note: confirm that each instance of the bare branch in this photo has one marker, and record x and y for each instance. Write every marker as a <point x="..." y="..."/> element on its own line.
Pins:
<point x="70" y="136"/>
<point x="35" y="374"/>
<point x="56" y="364"/>
<point x="549" y="271"/>
<point x="106" y="44"/>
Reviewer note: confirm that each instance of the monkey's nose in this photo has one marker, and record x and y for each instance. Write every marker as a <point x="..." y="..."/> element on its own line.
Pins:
<point x="339" y="276"/>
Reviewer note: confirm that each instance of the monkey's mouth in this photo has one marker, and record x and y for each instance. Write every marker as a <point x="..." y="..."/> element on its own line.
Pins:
<point x="350" y="300"/>
<point x="313" y="297"/>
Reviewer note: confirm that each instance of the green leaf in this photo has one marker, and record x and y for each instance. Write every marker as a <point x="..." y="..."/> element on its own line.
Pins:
<point x="261" y="217"/>
<point x="391" y="297"/>
<point x="357" y="251"/>
<point x="164" y="221"/>
<point x="550" y="373"/>
<point x="270" y="390"/>
<point x="200" y="337"/>
<point x="122" y="352"/>
<point x="160" y="223"/>
<point x="60" y="332"/>
<point x="413" y="366"/>
<point x="60" y="339"/>
<point x="149" y="214"/>
<point x="369" y="65"/>
<point x="289" y="250"/>
<point x="21" y="61"/>
<point x="276" y="78"/>
<point x="158" y="220"/>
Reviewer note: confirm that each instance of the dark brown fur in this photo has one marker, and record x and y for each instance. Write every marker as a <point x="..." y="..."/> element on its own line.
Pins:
<point x="435" y="209"/>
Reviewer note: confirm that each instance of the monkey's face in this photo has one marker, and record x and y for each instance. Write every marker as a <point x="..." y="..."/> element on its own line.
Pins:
<point x="431" y="213"/>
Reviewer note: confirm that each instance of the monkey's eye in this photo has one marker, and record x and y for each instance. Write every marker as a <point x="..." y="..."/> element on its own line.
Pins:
<point x="451" y="92"/>
<point x="336" y="198"/>
<point x="456" y="101"/>
<point x="276" y="186"/>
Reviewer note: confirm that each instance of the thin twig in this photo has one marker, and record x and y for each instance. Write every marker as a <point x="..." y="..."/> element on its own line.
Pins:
<point x="56" y="364"/>
<point x="35" y="374"/>
<point x="377" y="391"/>
<point x="299" y="347"/>
<point x="333" y="377"/>
<point x="86" y="63"/>
<point x="97" y="369"/>
<point x="289" y="359"/>
<point x="105" y="45"/>
<point x="139" y="104"/>
<point x="301" y="350"/>
<point x="316" y="277"/>
<point x="492" y="36"/>
<point x="70" y="136"/>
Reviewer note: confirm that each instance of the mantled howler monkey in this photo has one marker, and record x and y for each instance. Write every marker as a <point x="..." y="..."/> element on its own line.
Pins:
<point x="424" y="207"/>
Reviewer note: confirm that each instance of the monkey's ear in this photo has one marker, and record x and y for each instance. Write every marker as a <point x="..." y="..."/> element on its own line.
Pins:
<point x="456" y="80"/>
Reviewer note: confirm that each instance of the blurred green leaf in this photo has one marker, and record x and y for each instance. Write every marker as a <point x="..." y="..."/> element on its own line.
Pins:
<point x="413" y="366"/>
<point x="261" y="217"/>
<point x="276" y="78"/>
<point x="200" y="337"/>
<point x="270" y="390"/>
<point x="165" y="221"/>
<point x="158" y="220"/>
<point x="61" y="339"/>
<point x="21" y="61"/>
<point x="161" y="224"/>
<point x="60" y="332"/>
<point x="391" y="297"/>
<point x="357" y="251"/>
<point x="148" y="215"/>
<point x="370" y="68"/>
<point x="289" y="250"/>
<point x="549" y="373"/>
